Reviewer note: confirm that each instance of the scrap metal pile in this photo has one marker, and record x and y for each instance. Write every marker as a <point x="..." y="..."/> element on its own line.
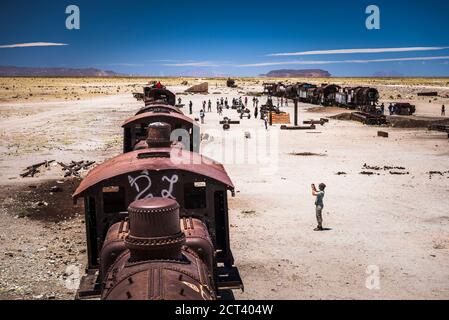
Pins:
<point x="365" y="99"/>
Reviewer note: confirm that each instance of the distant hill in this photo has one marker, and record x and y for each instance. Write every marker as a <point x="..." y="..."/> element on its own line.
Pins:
<point x="290" y="73"/>
<point x="9" y="71"/>
<point x="387" y="74"/>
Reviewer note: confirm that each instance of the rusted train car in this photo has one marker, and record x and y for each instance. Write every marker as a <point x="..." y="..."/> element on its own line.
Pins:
<point x="364" y="98"/>
<point x="159" y="107"/>
<point x="156" y="93"/>
<point x="183" y="129"/>
<point x="157" y="220"/>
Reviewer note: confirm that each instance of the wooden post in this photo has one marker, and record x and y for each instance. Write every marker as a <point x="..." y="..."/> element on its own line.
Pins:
<point x="295" y="100"/>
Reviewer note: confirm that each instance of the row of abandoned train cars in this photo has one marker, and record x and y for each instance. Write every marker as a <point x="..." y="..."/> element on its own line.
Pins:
<point x="157" y="215"/>
<point x="363" y="98"/>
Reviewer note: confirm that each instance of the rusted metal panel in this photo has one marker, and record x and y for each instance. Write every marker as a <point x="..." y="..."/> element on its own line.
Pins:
<point x="159" y="108"/>
<point x="170" y="118"/>
<point x="382" y="134"/>
<point x="160" y="280"/>
<point x="158" y="159"/>
<point x="196" y="233"/>
<point x="156" y="264"/>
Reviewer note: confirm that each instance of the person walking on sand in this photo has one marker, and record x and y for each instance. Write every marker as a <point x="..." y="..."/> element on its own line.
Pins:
<point x="319" y="205"/>
<point x="265" y="120"/>
<point x="190" y="107"/>
<point x="443" y="110"/>
<point x="204" y="105"/>
<point x="202" y="116"/>
<point x="209" y="106"/>
<point x="256" y="112"/>
<point x="218" y="105"/>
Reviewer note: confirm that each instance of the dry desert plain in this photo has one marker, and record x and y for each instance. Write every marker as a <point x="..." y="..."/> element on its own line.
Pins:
<point x="393" y="224"/>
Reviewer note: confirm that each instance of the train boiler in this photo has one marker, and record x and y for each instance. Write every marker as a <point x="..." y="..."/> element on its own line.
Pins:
<point x="133" y="253"/>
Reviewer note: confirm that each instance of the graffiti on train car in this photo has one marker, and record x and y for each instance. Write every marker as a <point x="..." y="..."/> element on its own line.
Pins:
<point x="143" y="188"/>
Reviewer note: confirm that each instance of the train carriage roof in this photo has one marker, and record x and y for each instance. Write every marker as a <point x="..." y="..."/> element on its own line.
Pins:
<point x="158" y="106"/>
<point x="156" y="159"/>
<point x="159" y="116"/>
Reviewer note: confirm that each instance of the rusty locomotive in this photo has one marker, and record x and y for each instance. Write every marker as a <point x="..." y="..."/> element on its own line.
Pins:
<point x="363" y="98"/>
<point x="157" y="217"/>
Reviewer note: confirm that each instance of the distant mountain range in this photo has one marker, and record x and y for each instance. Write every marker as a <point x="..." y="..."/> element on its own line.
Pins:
<point x="9" y="71"/>
<point x="290" y="73"/>
<point x="386" y="74"/>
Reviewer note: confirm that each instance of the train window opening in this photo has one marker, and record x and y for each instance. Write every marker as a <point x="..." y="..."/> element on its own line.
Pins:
<point x="149" y="155"/>
<point x="114" y="199"/>
<point x="220" y="218"/>
<point x="195" y="196"/>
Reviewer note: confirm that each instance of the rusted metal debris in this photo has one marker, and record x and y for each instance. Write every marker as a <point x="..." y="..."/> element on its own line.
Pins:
<point x="32" y="170"/>
<point x="428" y="94"/>
<point x="378" y="168"/>
<point x="437" y="173"/>
<point x="311" y="127"/>
<point x="315" y="122"/>
<point x="393" y="170"/>
<point x="369" y="118"/>
<point x="403" y="109"/>
<point x="227" y="123"/>
<point x="74" y="167"/>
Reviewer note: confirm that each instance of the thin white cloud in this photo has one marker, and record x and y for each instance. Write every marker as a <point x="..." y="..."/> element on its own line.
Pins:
<point x="192" y="64"/>
<point x="350" y="51"/>
<point x="123" y="64"/>
<point x="32" y="44"/>
<point x="304" y="62"/>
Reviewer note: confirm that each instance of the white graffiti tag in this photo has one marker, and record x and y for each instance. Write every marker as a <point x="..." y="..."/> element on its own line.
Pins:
<point x="168" y="193"/>
<point x="133" y="183"/>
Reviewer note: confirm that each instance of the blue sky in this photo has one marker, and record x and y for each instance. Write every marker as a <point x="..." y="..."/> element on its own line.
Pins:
<point x="229" y="37"/>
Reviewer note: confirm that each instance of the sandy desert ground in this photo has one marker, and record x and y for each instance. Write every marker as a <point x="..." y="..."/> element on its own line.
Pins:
<point x="397" y="224"/>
